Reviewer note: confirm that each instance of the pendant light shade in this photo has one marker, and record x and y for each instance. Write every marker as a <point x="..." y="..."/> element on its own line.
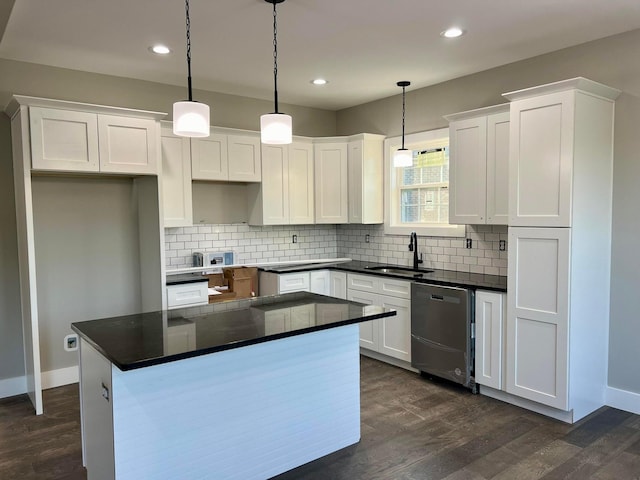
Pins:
<point x="403" y="157"/>
<point x="275" y="128"/>
<point x="190" y="119"/>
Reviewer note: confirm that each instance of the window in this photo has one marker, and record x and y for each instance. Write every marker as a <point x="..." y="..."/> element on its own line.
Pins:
<point x="418" y="196"/>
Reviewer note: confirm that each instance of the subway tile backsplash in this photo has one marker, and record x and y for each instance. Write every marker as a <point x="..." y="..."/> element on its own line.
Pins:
<point x="446" y="253"/>
<point x="250" y="244"/>
<point x="274" y="244"/>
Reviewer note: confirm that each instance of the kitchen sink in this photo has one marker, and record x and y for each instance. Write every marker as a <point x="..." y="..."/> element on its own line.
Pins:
<point x="408" y="271"/>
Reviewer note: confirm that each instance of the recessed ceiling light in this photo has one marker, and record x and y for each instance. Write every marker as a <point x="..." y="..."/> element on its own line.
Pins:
<point x="160" y="49"/>
<point x="452" y="32"/>
<point x="319" y="81"/>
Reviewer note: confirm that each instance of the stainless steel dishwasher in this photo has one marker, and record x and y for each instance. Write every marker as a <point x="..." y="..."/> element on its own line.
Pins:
<point x="442" y="331"/>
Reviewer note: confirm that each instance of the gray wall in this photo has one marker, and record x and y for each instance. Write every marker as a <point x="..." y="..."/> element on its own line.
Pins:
<point x="43" y="81"/>
<point x="612" y="61"/>
<point x="87" y="257"/>
<point x="11" y="359"/>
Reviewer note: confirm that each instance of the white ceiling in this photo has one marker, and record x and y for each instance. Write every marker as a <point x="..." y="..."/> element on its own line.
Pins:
<point x="363" y="47"/>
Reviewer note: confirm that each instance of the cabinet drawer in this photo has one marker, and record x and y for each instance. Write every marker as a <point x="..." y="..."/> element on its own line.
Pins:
<point x="293" y="282"/>
<point x="187" y="294"/>
<point x="380" y="285"/>
<point x="363" y="283"/>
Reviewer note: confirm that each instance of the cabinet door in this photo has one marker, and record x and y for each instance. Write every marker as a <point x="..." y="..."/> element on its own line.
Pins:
<point x="275" y="185"/>
<point x="395" y="332"/>
<point x="128" y="145"/>
<point x="63" y="140"/>
<point x="498" y="169"/>
<point x="176" y="180"/>
<point x="277" y="321"/>
<point x="209" y="158"/>
<point x="538" y="315"/>
<point x="331" y="182"/>
<point x="541" y="160"/>
<point x="369" y="331"/>
<point x="244" y="158"/>
<point x="338" y="287"/>
<point x="467" y="171"/>
<point x="490" y="311"/>
<point x="319" y="282"/>
<point x="293" y="282"/>
<point x="301" y="184"/>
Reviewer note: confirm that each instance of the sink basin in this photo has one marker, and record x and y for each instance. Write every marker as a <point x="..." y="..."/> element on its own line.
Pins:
<point x="408" y="271"/>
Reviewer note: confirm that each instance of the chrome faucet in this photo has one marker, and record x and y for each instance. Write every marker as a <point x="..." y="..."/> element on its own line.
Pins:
<point x="413" y="247"/>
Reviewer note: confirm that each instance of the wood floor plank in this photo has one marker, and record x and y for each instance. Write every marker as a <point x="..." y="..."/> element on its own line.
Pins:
<point x="412" y="428"/>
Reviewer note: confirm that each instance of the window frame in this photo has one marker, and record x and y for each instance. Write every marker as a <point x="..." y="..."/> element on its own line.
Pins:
<point x="392" y="224"/>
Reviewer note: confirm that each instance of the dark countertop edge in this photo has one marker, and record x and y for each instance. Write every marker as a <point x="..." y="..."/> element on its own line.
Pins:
<point x="343" y="267"/>
<point x="185" y="278"/>
<point x="229" y="346"/>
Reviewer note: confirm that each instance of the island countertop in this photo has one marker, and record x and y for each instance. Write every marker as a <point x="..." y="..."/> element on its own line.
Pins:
<point x="146" y="339"/>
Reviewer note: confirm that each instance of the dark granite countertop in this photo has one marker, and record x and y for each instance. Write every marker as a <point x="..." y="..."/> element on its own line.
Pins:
<point x="142" y="340"/>
<point x="184" y="278"/>
<point x="437" y="277"/>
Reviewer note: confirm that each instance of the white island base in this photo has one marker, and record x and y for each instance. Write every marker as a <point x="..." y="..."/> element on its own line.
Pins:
<point x="246" y="413"/>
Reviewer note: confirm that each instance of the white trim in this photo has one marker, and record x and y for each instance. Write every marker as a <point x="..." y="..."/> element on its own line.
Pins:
<point x="60" y="377"/>
<point x="434" y="230"/>
<point x="13" y="386"/>
<point x="561" y="415"/>
<point x="622" y="399"/>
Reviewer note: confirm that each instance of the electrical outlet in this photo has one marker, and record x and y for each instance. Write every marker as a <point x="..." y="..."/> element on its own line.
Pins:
<point x="367" y="238"/>
<point x="71" y="342"/>
<point x="502" y="245"/>
<point x="469" y="243"/>
<point x="294" y="239"/>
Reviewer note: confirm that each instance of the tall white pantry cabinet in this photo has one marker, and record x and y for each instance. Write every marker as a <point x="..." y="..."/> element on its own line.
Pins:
<point x="560" y="203"/>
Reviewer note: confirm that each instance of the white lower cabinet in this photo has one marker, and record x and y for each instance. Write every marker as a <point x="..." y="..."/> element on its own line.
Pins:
<point x="320" y="282"/>
<point x="389" y="336"/>
<point x="338" y="285"/>
<point x="187" y="295"/>
<point x="489" y="341"/>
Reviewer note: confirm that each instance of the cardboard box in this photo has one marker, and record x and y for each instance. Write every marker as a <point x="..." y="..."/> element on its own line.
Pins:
<point x="242" y="280"/>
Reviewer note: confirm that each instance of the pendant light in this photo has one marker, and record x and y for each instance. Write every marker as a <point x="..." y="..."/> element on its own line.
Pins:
<point x="403" y="157"/>
<point x="190" y="119"/>
<point x="275" y="128"/>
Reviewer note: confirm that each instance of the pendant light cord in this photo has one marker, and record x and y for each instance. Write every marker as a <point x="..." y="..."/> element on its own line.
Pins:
<point x="275" y="57"/>
<point x="403" y="88"/>
<point x="188" y="50"/>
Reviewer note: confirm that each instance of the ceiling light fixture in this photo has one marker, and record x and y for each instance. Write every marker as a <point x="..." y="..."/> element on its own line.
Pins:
<point x="319" y="81"/>
<point x="275" y="128"/>
<point x="190" y="118"/>
<point x="452" y="32"/>
<point x="403" y="157"/>
<point x="160" y="49"/>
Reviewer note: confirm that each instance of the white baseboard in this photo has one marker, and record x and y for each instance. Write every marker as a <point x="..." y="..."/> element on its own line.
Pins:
<point x="60" y="377"/>
<point x="13" y="386"/>
<point x="623" y="400"/>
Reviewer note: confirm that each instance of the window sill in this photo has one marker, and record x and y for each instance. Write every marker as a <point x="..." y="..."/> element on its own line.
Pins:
<point x="427" y="231"/>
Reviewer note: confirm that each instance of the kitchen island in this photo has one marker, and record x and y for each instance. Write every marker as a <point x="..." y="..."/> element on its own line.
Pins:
<point x="246" y="389"/>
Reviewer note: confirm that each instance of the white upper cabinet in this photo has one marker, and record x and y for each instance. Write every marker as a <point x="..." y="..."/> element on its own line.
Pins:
<point x="560" y="137"/>
<point x="365" y="178"/>
<point x="128" y="145"/>
<point x="478" y="166"/>
<point x="285" y="195"/>
<point x="63" y="140"/>
<point x="244" y="158"/>
<point x="331" y="183"/>
<point x="226" y="156"/>
<point x="74" y="140"/>
<point x="176" y="179"/>
<point x="209" y="158"/>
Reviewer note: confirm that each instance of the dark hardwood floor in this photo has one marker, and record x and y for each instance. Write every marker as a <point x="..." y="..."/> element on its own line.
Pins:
<point x="412" y="428"/>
